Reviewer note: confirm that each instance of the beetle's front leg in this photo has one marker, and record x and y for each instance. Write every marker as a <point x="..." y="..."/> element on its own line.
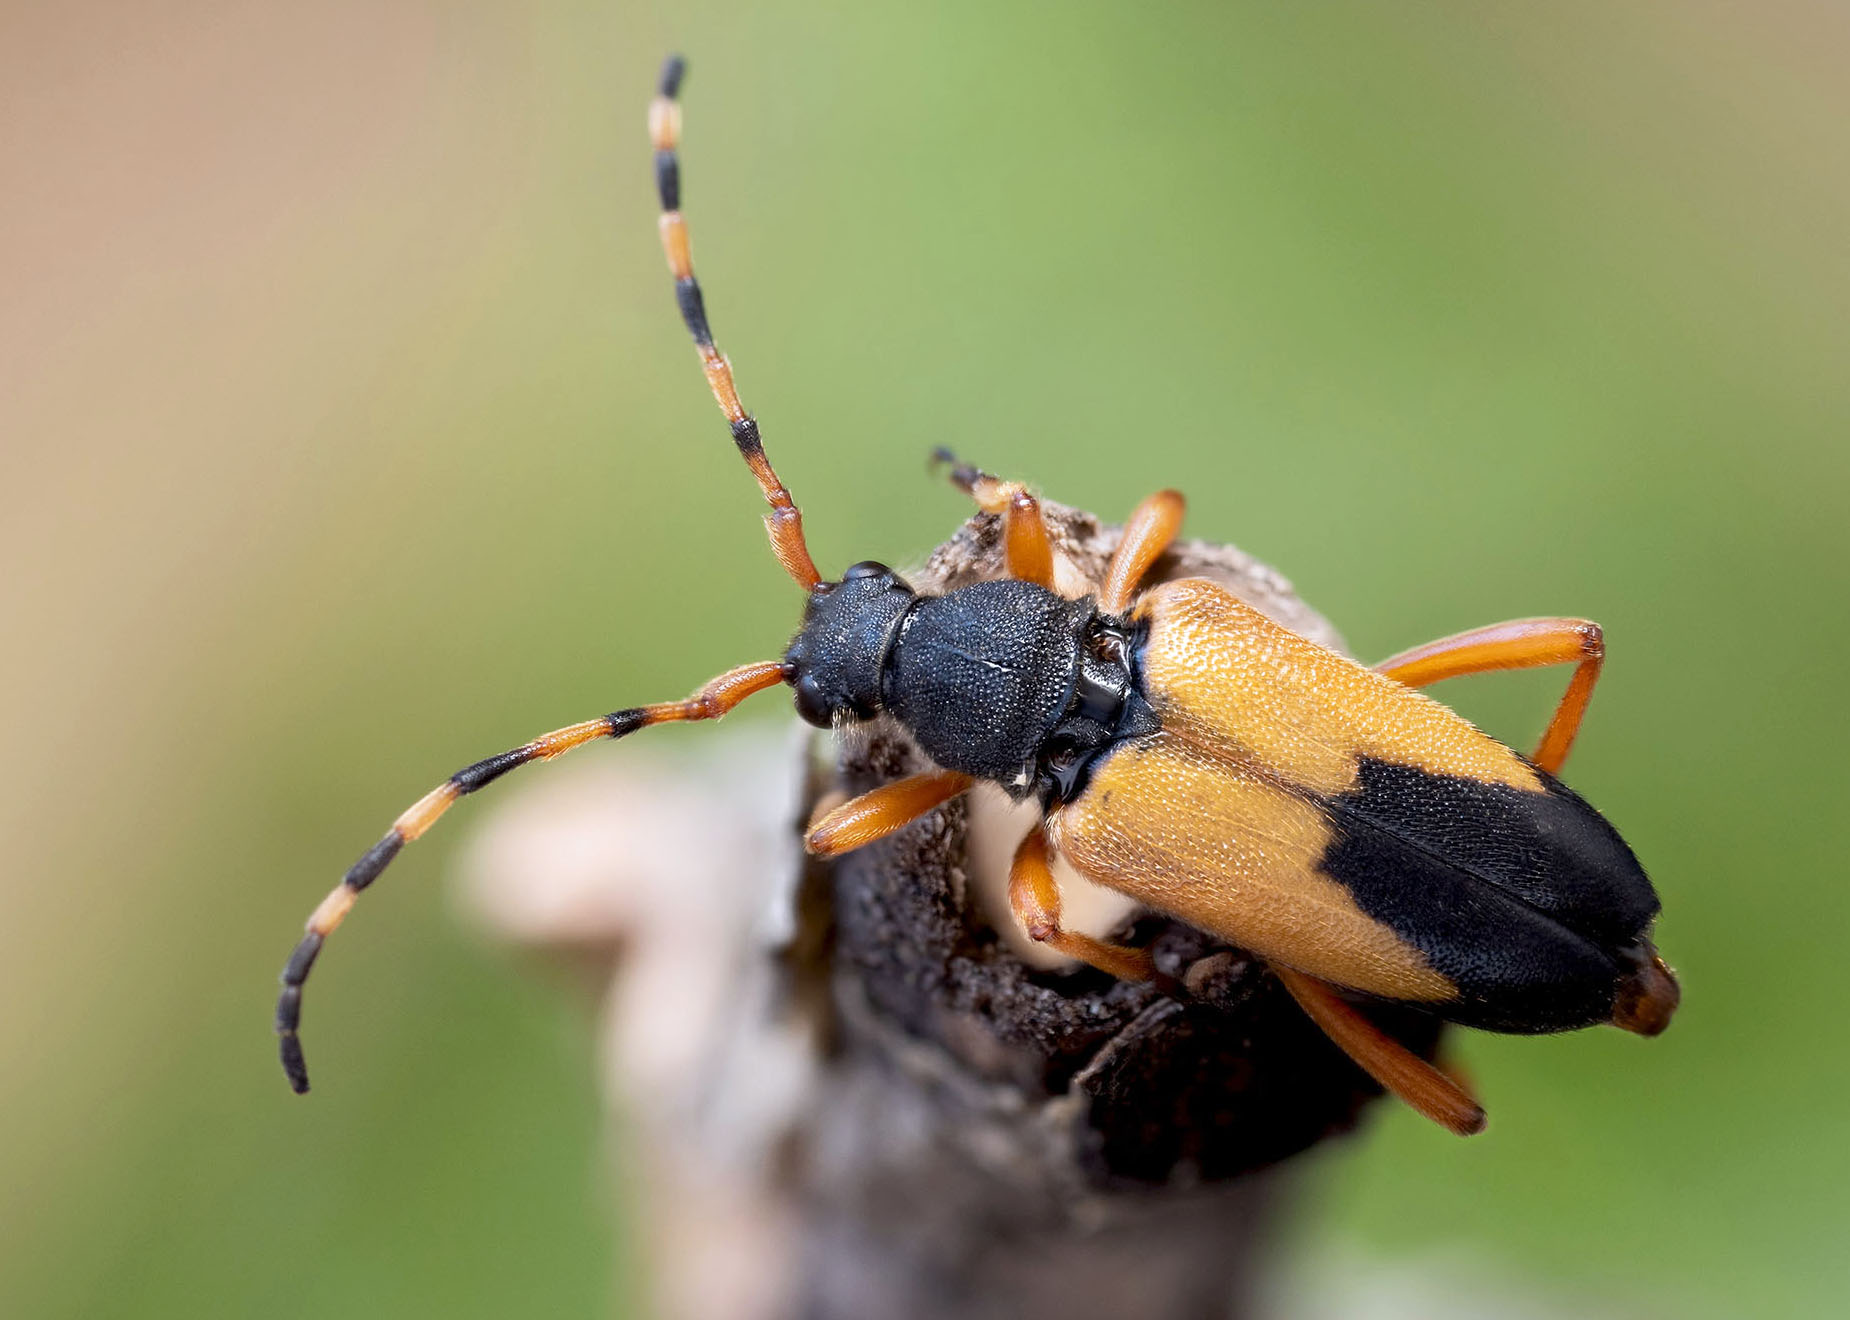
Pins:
<point x="1027" y="549"/>
<point x="1034" y="898"/>
<point x="876" y="814"/>
<point x="1521" y="644"/>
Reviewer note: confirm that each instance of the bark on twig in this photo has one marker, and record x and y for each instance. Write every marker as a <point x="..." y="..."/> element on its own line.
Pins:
<point x="857" y="1096"/>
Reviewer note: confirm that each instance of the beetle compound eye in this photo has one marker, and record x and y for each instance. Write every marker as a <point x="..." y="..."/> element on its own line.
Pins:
<point x="812" y="702"/>
<point x="867" y="568"/>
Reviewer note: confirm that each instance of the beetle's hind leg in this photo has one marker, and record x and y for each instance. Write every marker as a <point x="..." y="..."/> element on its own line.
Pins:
<point x="1521" y="644"/>
<point x="709" y="703"/>
<point x="1027" y="549"/>
<point x="1397" y="1068"/>
<point x="1034" y="898"/>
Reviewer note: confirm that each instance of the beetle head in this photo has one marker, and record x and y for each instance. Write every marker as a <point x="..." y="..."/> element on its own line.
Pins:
<point x="834" y="661"/>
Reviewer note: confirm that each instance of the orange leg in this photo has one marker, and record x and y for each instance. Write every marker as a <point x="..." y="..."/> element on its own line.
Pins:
<point x="1147" y="533"/>
<point x="784" y="522"/>
<point x="1034" y="898"/>
<point x="861" y="821"/>
<point x="1398" y="1069"/>
<point x="709" y="703"/>
<point x="1026" y="548"/>
<point x="1522" y="644"/>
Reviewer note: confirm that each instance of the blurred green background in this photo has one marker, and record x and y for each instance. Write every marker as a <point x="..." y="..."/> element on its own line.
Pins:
<point x="347" y="434"/>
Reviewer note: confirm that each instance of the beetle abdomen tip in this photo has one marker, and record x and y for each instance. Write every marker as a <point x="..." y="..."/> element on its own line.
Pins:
<point x="1648" y="995"/>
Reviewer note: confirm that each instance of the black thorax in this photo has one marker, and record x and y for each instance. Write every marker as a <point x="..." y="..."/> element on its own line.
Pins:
<point x="1004" y="681"/>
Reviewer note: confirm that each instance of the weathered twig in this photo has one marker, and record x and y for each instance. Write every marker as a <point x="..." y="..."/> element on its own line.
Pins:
<point x="857" y="1095"/>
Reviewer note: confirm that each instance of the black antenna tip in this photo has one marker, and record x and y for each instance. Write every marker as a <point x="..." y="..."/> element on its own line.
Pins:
<point x="673" y="69"/>
<point x="293" y="1063"/>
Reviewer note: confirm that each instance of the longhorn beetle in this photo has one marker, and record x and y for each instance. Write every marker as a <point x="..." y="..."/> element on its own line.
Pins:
<point x="1189" y="752"/>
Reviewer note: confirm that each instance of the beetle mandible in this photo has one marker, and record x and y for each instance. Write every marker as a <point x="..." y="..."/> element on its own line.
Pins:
<point x="1189" y="752"/>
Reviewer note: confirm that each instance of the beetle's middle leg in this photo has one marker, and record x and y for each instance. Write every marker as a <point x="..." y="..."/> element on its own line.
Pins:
<point x="1147" y="533"/>
<point x="889" y="808"/>
<point x="1034" y="898"/>
<point x="1027" y="550"/>
<point x="1521" y="644"/>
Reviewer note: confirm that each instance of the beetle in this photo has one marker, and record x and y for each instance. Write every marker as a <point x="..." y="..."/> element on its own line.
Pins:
<point x="1187" y="751"/>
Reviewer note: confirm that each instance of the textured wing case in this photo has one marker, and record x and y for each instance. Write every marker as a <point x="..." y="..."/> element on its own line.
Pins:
<point x="1324" y="816"/>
